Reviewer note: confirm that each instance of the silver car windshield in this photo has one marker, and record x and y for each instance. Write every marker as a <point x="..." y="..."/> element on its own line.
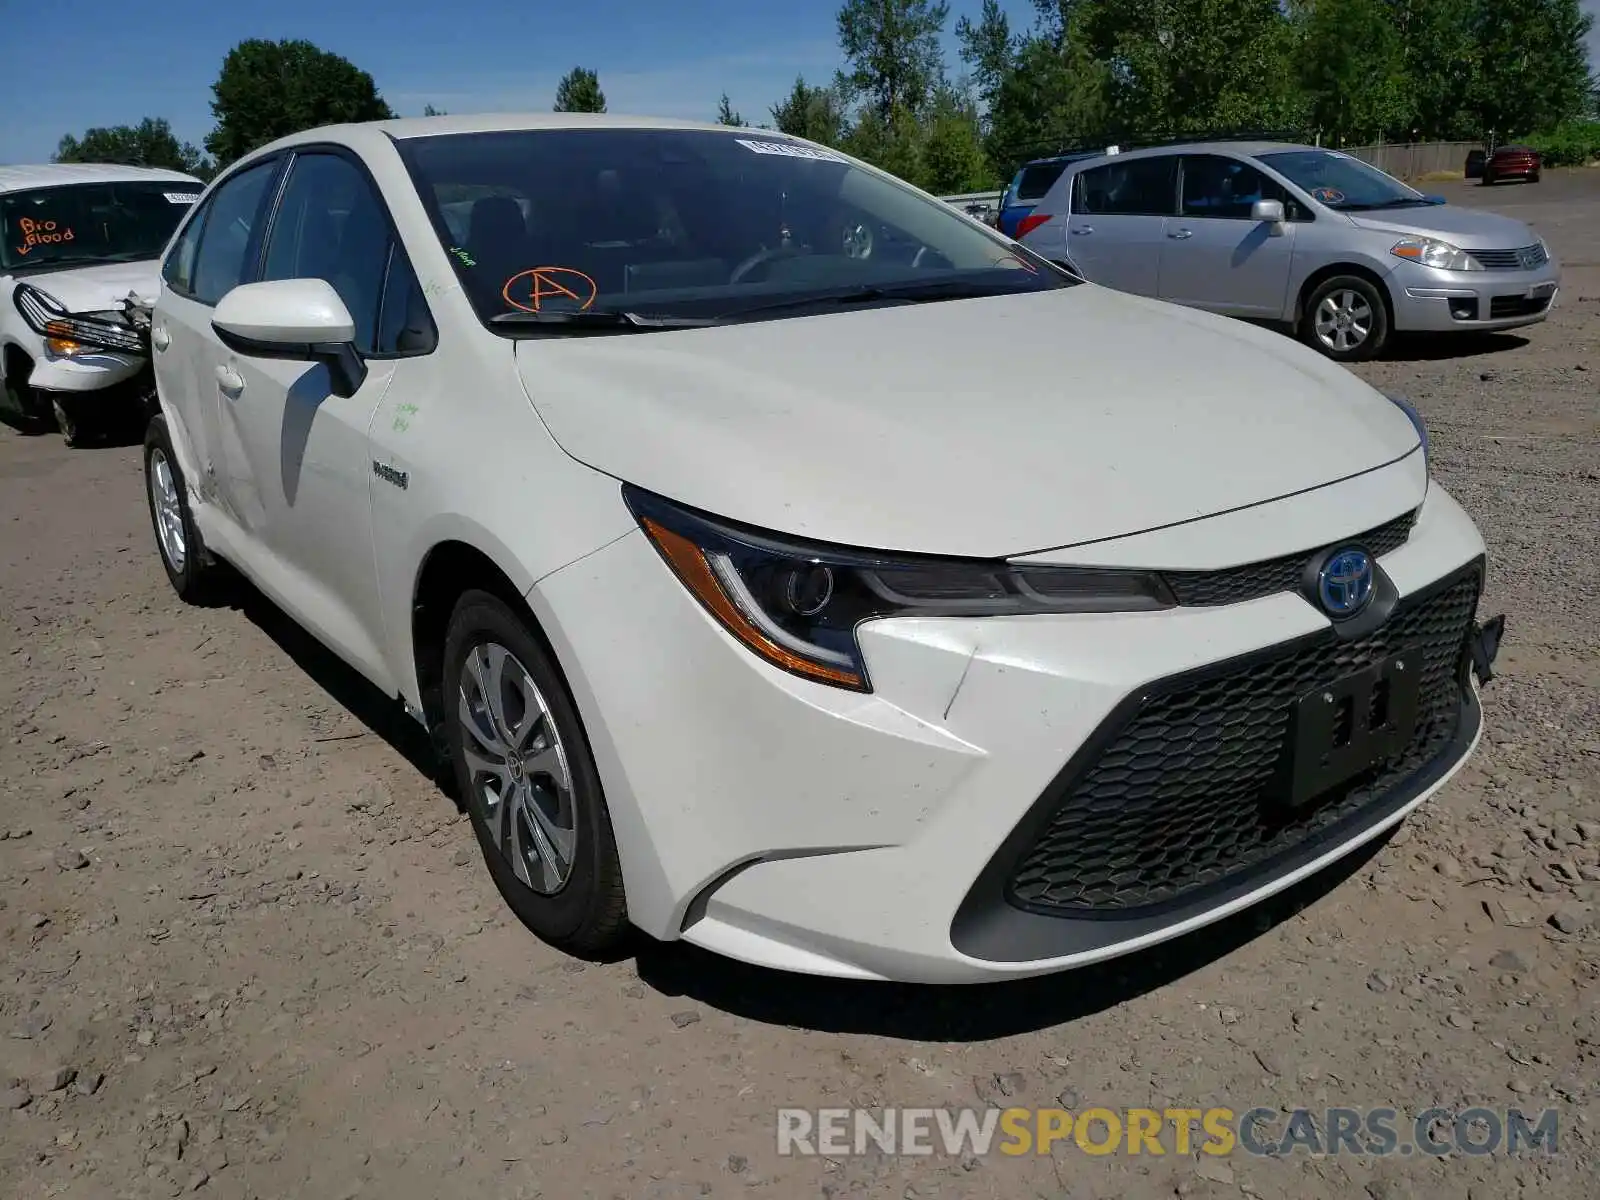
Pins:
<point x="1341" y="181"/>
<point x="549" y="225"/>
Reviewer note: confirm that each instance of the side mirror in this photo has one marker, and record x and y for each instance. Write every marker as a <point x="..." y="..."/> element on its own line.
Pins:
<point x="1268" y="211"/>
<point x="299" y="319"/>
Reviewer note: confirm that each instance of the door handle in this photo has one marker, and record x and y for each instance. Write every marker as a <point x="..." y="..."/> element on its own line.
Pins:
<point x="1180" y="234"/>
<point x="1084" y="229"/>
<point x="229" y="380"/>
<point x="160" y="338"/>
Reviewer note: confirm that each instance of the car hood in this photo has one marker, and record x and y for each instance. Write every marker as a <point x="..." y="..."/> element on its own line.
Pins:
<point x="1469" y="228"/>
<point x="980" y="427"/>
<point x="92" y="289"/>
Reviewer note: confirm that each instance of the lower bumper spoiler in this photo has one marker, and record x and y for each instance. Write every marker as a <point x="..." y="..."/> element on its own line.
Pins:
<point x="1485" y="645"/>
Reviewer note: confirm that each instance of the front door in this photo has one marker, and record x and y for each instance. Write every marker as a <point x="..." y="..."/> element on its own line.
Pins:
<point x="1217" y="256"/>
<point x="296" y="464"/>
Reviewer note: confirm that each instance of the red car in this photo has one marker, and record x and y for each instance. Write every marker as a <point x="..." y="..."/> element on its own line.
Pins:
<point x="1512" y="162"/>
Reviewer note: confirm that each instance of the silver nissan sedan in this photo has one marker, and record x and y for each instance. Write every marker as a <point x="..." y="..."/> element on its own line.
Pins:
<point x="1314" y="238"/>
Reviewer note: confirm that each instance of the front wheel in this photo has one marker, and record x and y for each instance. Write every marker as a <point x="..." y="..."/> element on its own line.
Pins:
<point x="1346" y="319"/>
<point x="193" y="573"/>
<point x="524" y="770"/>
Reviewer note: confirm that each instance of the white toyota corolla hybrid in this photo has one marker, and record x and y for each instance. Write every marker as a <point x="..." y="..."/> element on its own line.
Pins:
<point x="790" y="564"/>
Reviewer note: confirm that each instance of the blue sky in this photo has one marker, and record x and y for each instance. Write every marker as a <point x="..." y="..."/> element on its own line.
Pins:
<point x="76" y="64"/>
<point x="91" y="64"/>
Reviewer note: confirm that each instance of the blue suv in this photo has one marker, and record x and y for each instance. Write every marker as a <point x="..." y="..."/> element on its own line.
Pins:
<point x="1028" y="187"/>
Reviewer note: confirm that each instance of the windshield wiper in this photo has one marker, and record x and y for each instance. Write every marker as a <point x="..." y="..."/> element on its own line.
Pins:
<point x="1397" y="202"/>
<point x="912" y="293"/>
<point x="602" y="318"/>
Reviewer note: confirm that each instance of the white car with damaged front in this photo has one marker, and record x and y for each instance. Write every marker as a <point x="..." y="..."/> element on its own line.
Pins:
<point x="79" y="244"/>
<point x="665" y="473"/>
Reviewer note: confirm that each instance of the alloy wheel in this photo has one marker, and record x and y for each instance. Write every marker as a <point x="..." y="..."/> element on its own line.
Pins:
<point x="1343" y="320"/>
<point x="517" y="766"/>
<point x="169" y="512"/>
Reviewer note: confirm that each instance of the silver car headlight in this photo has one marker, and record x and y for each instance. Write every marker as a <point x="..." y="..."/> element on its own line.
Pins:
<point x="1431" y="252"/>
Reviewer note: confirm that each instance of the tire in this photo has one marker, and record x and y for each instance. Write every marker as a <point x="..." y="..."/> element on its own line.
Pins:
<point x="190" y="568"/>
<point x="565" y="882"/>
<point x="1362" y="335"/>
<point x="21" y="403"/>
<point x="1534" y="178"/>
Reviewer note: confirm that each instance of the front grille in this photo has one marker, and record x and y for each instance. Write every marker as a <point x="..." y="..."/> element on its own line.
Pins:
<point x="1525" y="258"/>
<point x="1516" y="306"/>
<point x="1187" y="794"/>
<point x="1233" y="585"/>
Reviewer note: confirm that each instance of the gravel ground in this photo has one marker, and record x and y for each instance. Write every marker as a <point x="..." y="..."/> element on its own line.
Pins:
<point x="250" y="951"/>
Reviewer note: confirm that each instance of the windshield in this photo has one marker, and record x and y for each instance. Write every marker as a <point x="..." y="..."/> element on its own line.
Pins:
<point x="1340" y="181"/>
<point x="691" y="223"/>
<point x="84" y="223"/>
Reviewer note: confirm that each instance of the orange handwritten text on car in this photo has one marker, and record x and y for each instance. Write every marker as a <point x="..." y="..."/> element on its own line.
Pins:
<point x="40" y="233"/>
<point x="528" y="290"/>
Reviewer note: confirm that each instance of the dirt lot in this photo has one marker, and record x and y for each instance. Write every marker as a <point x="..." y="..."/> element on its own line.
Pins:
<point x="258" y="946"/>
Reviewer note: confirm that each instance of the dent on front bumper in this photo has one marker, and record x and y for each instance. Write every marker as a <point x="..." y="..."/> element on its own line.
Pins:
<point x="1426" y="300"/>
<point x="89" y="372"/>
<point x="794" y="826"/>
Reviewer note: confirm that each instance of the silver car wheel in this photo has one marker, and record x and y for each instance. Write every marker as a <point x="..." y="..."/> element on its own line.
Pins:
<point x="169" y="512"/>
<point x="1343" y="320"/>
<point x="518" y="767"/>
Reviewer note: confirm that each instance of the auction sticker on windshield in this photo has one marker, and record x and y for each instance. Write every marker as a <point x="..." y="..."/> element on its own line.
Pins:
<point x="790" y="150"/>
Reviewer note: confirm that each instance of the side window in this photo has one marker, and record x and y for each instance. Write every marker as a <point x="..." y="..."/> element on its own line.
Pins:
<point x="1036" y="180"/>
<point x="1139" y="187"/>
<point x="405" y="326"/>
<point x="1214" y="186"/>
<point x="225" y="242"/>
<point x="178" y="270"/>
<point x="332" y="226"/>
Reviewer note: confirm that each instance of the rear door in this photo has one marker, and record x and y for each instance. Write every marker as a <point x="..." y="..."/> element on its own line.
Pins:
<point x="1029" y="187"/>
<point x="1116" y="231"/>
<point x="1217" y="256"/>
<point x="214" y="253"/>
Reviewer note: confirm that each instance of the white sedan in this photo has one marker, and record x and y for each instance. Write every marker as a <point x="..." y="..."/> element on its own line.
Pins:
<point x="723" y="507"/>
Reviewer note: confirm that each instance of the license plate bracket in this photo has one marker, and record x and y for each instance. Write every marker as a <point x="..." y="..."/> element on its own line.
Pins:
<point x="1352" y="724"/>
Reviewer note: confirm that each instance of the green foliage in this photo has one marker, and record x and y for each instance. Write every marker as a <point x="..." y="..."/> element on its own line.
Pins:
<point x="1534" y="71"/>
<point x="892" y="53"/>
<point x="150" y="143"/>
<point x="1570" y="144"/>
<point x="579" y="91"/>
<point x="1352" y="68"/>
<point x="429" y="110"/>
<point x="726" y="114"/>
<point x="267" y="90"/>
<point x="810" y="112"/>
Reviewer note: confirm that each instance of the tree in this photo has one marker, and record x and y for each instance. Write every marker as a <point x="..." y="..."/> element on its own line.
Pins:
<point x="892" y="53"/>
<point x="988" y="49"/>
<point x="429" y="110"/>
<point x="810" y="112"/>
<point x="952" y="158"/>
<point x="726" y="115"/>
<point x="150" y="143"/>
<point x="267" y="90"/>
<point x="1535" y="67"/>
<point x="1353" y="71"/>
<point x="579" y="91"/>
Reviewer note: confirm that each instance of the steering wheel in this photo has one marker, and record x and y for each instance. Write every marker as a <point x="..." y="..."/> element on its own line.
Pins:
<point x="761" y="257"/>
<point x="858" y="240"/>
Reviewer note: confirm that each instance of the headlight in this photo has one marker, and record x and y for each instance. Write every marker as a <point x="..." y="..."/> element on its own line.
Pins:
<point x="797" y="604"/>
<point x="1410" y="410"/>
<point x="1431" y="252"/>
<point x="49" y="318"/>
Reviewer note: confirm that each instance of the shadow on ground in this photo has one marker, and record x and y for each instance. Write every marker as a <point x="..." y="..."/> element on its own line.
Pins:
<point x="1417" y="347"/>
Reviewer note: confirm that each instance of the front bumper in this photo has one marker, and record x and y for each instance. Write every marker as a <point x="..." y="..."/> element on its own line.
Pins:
<point x="877" y="836"/>
<point x="1430" y="301"/>
<point x="81" y="373"/>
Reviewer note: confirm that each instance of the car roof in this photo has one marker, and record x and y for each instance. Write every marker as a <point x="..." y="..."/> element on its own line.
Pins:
<point x="1236" y="149"/>
<point x="27" y="176"/>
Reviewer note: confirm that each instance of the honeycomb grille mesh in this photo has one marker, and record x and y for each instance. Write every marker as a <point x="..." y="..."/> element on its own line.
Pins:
<point x="1186" y="796"/>
<point x="1235" y="585"/>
